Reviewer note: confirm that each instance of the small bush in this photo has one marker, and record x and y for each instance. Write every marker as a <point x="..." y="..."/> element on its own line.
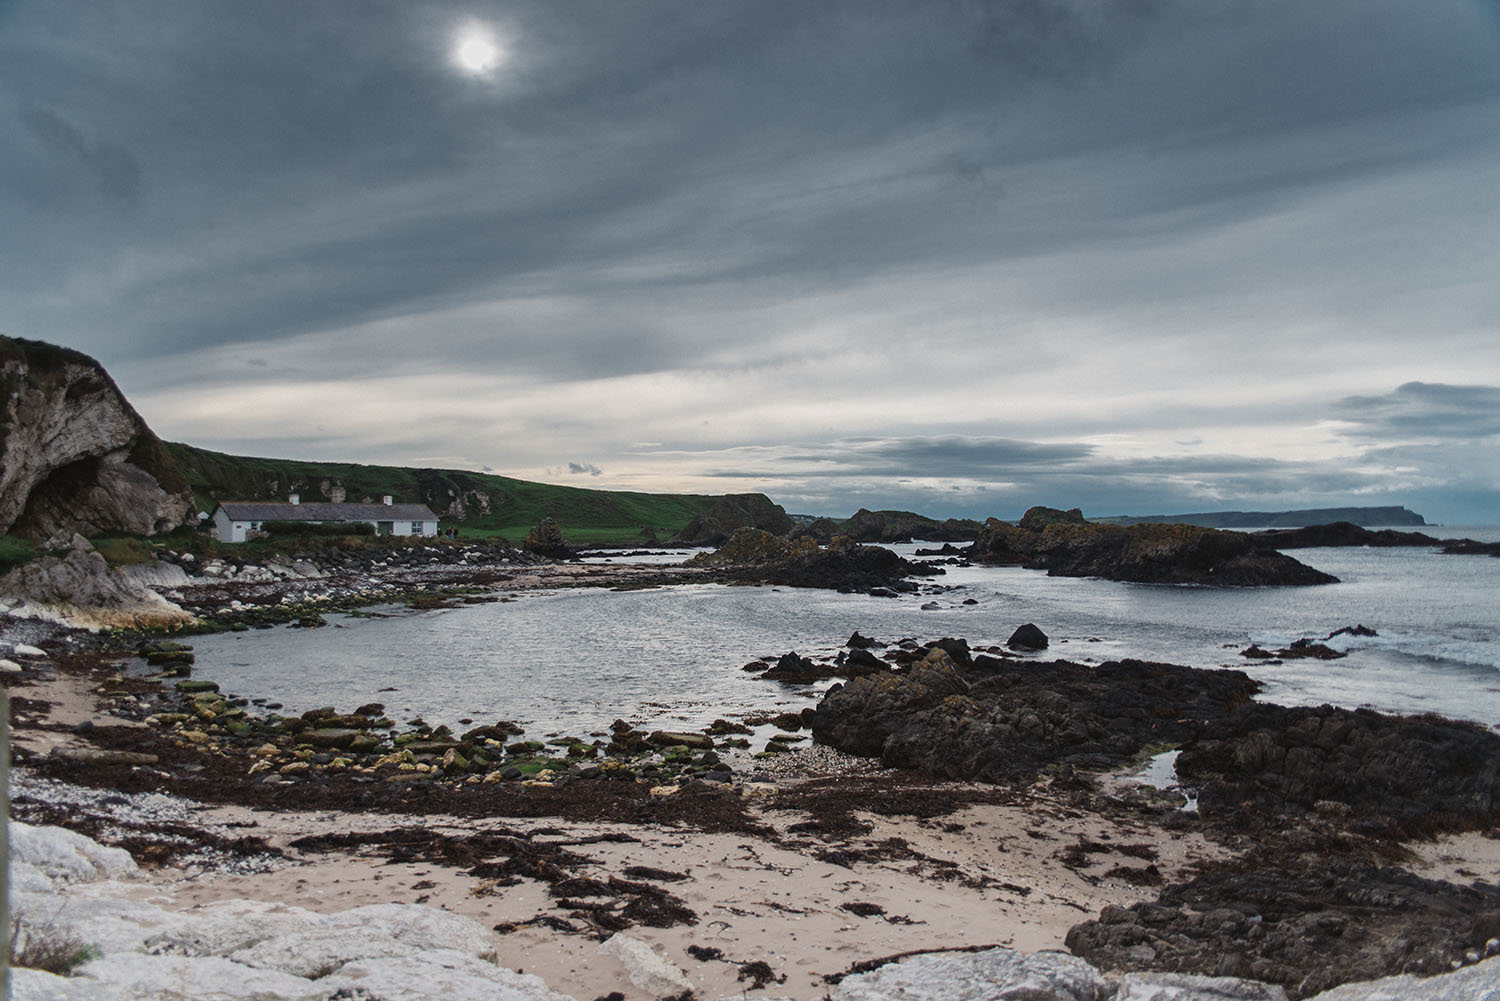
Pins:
<point x="324" y="528"/>
<point x="124" y="552"/>
<point x="45" y="948"/>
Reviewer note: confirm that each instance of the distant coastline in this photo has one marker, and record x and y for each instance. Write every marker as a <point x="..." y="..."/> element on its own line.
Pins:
<point x="1365" y="517"/>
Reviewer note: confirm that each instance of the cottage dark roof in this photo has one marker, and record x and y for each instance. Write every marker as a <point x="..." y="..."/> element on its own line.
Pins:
<point x="286" y="511"/>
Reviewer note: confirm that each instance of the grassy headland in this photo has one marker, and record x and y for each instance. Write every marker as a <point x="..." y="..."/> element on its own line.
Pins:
<point x="479" y="504"/>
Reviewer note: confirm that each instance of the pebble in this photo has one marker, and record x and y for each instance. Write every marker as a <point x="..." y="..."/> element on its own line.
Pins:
<point x="134" y="815"/>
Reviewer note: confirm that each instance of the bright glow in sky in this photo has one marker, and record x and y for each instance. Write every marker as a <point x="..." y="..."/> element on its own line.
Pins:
<point x="475" y="49"/>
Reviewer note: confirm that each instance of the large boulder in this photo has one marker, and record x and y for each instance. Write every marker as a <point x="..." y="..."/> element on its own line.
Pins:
<point x="77" y="455"/>
<point x="992" y="973"/>
<point x="72" y="584"/>
<point x="546" y="539"/>
<point x="65" y="856"/>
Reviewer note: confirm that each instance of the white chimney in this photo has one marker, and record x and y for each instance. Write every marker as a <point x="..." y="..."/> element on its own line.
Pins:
<point x="295" y="499"/>
<point x="386" y="500"/>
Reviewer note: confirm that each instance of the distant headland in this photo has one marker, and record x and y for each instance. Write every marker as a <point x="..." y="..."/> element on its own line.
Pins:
<point x="1365" y="517"/>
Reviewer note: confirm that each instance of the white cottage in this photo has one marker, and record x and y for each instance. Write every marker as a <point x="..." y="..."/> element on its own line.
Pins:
<point x="234" y="520"/>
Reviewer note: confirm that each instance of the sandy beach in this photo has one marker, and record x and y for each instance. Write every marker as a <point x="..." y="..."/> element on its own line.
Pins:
<point x="809" y="894"/>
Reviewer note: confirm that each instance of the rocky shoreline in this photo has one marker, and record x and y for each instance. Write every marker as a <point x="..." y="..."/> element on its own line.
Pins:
<point x="1306" y="886"/>
<point x="1298" y="853"/>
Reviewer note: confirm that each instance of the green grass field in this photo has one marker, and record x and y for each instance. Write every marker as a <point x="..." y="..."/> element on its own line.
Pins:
<point x="494" y="505"/>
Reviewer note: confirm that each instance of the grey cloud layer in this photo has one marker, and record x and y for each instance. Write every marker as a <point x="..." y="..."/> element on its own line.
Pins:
<point x="283" y="192"/>
<point x="1425" y="411"/>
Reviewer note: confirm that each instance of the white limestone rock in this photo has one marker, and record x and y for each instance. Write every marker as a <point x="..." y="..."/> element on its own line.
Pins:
<point x="320" y="952"/>
<point x="109" y="924"/>
<point x="647" y="970"/>
<point x="77" y="588"/>
<point x="64" y="411"/>
<point x="418" y="926"/>
<point x="221" y="934"/>
<point x="1480" y="982"/>
<point x="27" y="878"/>
<point x="197" y="978"/>
<point x="39" y="985"/>
<point x="1192" y="987"/>
<point x="994" y="974"/>
<point x="65" y="856"/>
<point x="156" y="574"/>
<point x="439" y="973"/>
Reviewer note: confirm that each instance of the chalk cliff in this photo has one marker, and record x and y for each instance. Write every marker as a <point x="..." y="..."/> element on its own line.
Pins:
<point x="76" y="455"/>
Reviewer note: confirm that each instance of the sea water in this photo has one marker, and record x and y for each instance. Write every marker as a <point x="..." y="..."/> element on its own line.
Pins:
<point x="574" y="660"/>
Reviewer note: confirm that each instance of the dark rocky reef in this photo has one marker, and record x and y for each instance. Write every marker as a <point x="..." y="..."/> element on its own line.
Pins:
<point x="78" y="458"/>
<point x="1341" y="533"/>
<point x="820" y="530"/>
<point x="1469" y="547"/>
<point x="904" y="526"/>
<point x="730" y="513"/>
<point x="1307" y="924"/>
<point x="1312" y="798"/>
<point x="754" y="554"/>
<point x="1065" y="545"/>
<point x="996" y="719"/>
<point x="1004" y="720"/>
<point x="1388" y="770"/>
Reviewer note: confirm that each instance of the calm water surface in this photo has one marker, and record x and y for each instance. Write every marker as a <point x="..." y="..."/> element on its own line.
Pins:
<point x="575" y="660"/>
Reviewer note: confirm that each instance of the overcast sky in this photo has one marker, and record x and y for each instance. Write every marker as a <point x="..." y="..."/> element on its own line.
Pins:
<point x="1138" y="256"/>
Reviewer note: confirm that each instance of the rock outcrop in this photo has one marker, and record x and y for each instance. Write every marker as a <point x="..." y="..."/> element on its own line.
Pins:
<point x="73" y="585"/>
<point x="1003" y="720"/>
<point x="1307" y="925"/>
<point x="1397" y="769"/>
<point x="730" y="513"/>
<point x="77" y="456"/>
<point x="1050" y="976"/>
<point x="904" y="526"/>
<point x="546" y="539"/>
<point x="1065" y="545"/>
<point x="68" y="889"/>
<point x="1341" y="533"/>
<point x="752" y="554"/>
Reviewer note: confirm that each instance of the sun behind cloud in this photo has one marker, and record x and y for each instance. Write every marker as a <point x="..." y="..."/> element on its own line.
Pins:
<point x="476" y="50"/>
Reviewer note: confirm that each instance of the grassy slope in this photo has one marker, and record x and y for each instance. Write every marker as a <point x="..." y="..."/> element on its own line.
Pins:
<point x="586" y="516"/>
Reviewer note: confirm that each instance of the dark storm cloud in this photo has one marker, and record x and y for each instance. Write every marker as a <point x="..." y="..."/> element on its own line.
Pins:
<point x="956" y="457"/>
<point x="328" y="167"/>
<point x="946" y="455"/>
<point x="1425" y="411"/>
